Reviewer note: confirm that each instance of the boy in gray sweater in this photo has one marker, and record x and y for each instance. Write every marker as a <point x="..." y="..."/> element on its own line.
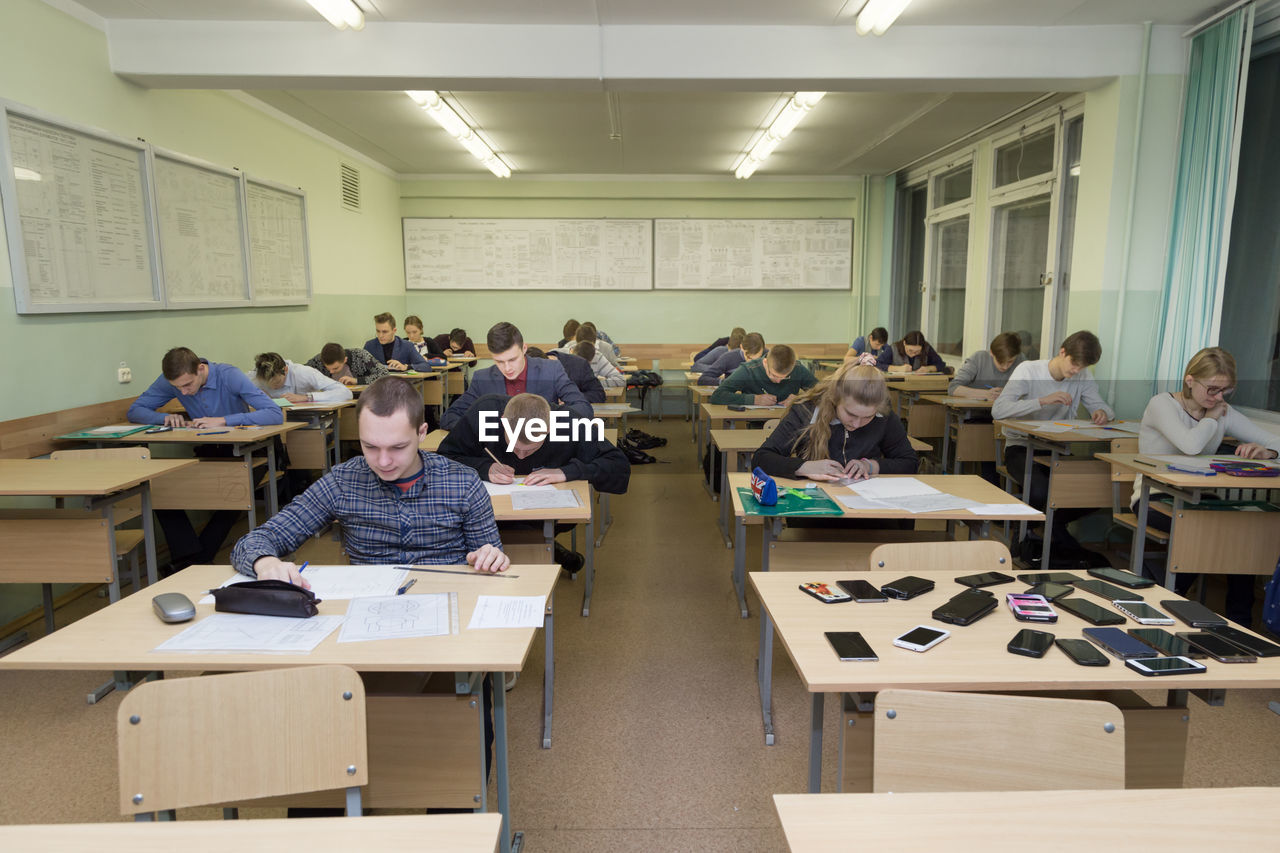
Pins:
<point x="984" y="375"/>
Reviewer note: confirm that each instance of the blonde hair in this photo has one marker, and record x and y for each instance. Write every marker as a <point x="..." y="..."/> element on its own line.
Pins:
<point x="859" y="383"/>
<point x="1210" y="362"/>
<point x="531" y="408"/>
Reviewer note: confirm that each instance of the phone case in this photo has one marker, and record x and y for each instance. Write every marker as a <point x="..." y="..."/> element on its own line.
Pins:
<point x="1123" y="578"/>
<point x="984" y="579"/>
<point x="966" y="608"/>
<point x="867" y="595"/>
<point x="1217" y="647"/>
<point x="1248" y="642"/>
<point x="1030" y="643"/>
<point x="1193" y="613"/>
<point x="1094" y="614"/>
<point x="824" y="593"/>
<point x="1133" y="613"/>
<point x="1109" y="591"/>
<point x="908" y="587"/>
<point x="1119" y="644"/>
<point x="1030" y="608"/>
<point x="1082" y="652"/>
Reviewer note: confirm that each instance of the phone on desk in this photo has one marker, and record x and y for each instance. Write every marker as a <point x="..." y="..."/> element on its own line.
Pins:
<point x="1030" y="608"/>
<point x="1048" y="577"/>
<point x="921" y="638"/>
<point x="1125" y="579"/>
<point x="156" y="429"/>
<point x="1248" y="642"/>
<point x="1095" y="614"/>
<point x="825" y="594"/>
<point x="1030" y="643"/>
<point x="966" y="607"/>
<point x="906" y="588"/>
<point x="1217" y="648"/>
<point x="736" y="408"/>
<point x="1050" y="590"/>
<point x="1193" y="613"/>
<point x="1165" y="666"/>
<point x="1142" y="613"/>
<point x="1109" y="591"/>
<point x="850" y="646"/>
<point x="1118" y="644"/>
<point x="984" y="579"/>
<point x="1166" y="643"/>
<point x="1082" y="652"/>
<point x="862" y="591"/>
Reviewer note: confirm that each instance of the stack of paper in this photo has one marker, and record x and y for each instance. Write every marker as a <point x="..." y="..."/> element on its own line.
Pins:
<point x="243" y="632"/>
<point x="512" y="488"/>
<point x="534" y="498"/>
<point x="508" y="611"/>
<point x="398" y="617"/>
<point x="903" y="494"/>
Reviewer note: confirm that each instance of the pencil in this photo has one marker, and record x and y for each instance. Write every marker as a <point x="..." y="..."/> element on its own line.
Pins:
<point x="491" y="456"/>
<point x="456" y="572"/>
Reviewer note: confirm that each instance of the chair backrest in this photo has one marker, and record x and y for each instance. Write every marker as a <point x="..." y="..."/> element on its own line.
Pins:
<point x="937" y="741"/>
<point x="976" y="555"/>
<point x="222" y="738"/>
<point x="104" y="453"/>
<point x="772" y="424"/>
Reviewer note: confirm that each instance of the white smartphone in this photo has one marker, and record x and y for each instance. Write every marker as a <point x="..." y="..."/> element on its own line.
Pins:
<point x="1165" y="666"/>
<point x="1142" y="613"/>
<point x="921" y="638"/>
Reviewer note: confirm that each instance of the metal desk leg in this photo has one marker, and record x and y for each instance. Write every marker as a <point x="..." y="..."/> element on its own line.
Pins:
<point x="739" y="574"/>
<point x="608" y="519"/>
<point x="724" y="498"/>
<point x="588" y="545"/>
<point x="1026" y="487"/>
<point x="704" y="427"/>
<point x="1047" y="545"/>
<point x="337" y="437"/>
<point x="149" y="533"/>
<point x="764" y="675"/>
<point x="273" y="498"/>
<point x="548" y="674"/>
<point x="1173" y="528"/>
<point x="1138" y="548"/>
<point x="815" y="744"/>
<point x="509" y="842"/>
<point x="946" y="439"/>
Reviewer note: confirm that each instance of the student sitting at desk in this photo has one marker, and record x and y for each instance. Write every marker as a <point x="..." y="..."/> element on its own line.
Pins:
<point x="771" y="381"/>
<point x="297" y="383"/>
<point x="512" y="373"/>
<point x="456" y="343"/>
<point x="539" y="461"/>
<point x="587" y="332"/>
<point x="752" y="348"/>
<point x="842" y="428"/>
<point x="348" y="366"/>
<point x="718" y="342"/>
<point x="608" y="375"/>
<point x="578" y="369"/>
<point x="391" y="349"/>
<point x="873" y="342"/>
<point x="569" y="332"/>
<point x="985" y="373"/>
<point x="912" y="354"/>
<point x="703" y="363"/>
<point x="426" y="347"/>
<point x="1193" y="421"/>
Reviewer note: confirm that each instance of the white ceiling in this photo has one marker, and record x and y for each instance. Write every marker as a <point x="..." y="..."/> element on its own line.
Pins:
<point x="692" y="80"/>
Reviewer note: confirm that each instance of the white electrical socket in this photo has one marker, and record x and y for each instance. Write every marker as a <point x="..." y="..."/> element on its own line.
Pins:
<point x="124" y="374"/>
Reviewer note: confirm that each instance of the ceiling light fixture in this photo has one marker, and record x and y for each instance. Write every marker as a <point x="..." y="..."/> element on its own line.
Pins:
<point x="878" y="15"/>
<point x="340" y="13"/>
<point x="779" y="129"/>
<point x="434" y="105"/>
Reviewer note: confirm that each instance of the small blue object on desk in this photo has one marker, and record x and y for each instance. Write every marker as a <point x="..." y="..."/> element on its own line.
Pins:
<point x="1178" y="470"/>
<point x="402" y="590"/>
<point x="219" y="432"/>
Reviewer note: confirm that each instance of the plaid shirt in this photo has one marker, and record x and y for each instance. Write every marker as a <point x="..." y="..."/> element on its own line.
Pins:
<point x="441" y="517"/>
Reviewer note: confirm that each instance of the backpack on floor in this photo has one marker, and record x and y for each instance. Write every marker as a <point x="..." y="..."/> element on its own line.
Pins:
<point x="1271" y="603"/>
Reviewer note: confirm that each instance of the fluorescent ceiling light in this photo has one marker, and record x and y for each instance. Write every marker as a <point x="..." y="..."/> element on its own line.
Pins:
<point x="22" y="173"/>
<point x="340" y="13"/>
<point x="444" y="115"/>
<point x="878" y="15"/>
<point x="779" y="129"/>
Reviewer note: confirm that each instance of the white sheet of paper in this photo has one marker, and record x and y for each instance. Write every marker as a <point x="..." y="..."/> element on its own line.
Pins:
<point x="1098" y="433"/>
<point x="1048" y="426"/>
<point x="109" y="429"/>
<point x="859" y="502"/>
<point x="754" y="406"/>
<point x="538" y="499"/>
<point x="613" y="408"/>
<point x="398" y="617"/>
<point x="508" y="611"/>
<point x="1003" y="509"/>
<point x="929" y="503"/>
<point x="341" y="583"/>
<point x="517" y="486"/>
<point x="1127" y="426"/>
<point x="896" y="487"/>
<point x="244" y="632"/>
<point x="1194" y="463"/>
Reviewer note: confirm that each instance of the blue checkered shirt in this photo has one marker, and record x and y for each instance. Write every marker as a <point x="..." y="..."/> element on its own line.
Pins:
<point x="441" y="517"/>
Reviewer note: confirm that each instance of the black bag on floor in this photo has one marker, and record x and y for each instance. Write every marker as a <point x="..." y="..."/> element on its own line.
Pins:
<point x="635" y="455"/>
<point x="642" y="381"/>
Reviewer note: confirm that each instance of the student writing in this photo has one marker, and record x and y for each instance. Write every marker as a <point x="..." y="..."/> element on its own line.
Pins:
<point x="912" y="354"/>
<point x="391" y="349"/>
<point x="296" y="383"/>
<point x="771" y="381"/>
<point x="985" y="373"/>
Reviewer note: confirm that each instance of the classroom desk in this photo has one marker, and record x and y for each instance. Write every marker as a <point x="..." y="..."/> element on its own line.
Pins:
<point x="974" y="442"/>
<point x="912" y="385"/>
<point x="1001" y="822"/>
<point x="1215" y="542"/>
<point x="207" y="487"/>
<point x="453" y="375"/>
<point x="443" y="833"/>
<point x="123" y="635"/>
<point x="613" y="392"/>
<point x="713" y="414"/>
<point x="973" y="658"/>
<point x="323" y="419"/>
<point x="614" y="412"/>
<point x="698" y="394"/>
<point x="583" y="513"/>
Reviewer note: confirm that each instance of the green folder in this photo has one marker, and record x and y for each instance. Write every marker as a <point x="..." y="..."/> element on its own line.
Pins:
<point x="282" y="402"/>
<point x="102" y="432"/>
<point x="816" y="502"/>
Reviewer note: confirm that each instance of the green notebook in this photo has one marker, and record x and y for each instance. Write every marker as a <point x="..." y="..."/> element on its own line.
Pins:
<point x="113" y="431"/>
<point x="282" y="402"/>
<point x="816" y="502"/>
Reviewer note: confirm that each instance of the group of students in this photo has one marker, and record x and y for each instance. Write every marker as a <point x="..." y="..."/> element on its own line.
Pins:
<point x="912" y="353"/>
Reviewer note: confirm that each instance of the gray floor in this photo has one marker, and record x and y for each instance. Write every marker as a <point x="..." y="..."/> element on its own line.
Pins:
<point x="657" y="737"/>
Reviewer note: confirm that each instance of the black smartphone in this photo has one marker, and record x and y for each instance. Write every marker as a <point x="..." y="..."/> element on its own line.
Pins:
<point x="1217" y="647"/>
<point x="1050" y="590"/>
<point x="1095" y="614"/>
<point x="1126" y="579"/>
<point x="966" y="607"/>
<point x="1119" y="644"/>
<point x="908" y="587"/>
<point x="984" y="579"/>
<point x="1193" y="613"/>
<point x="1248" y="642"/>
<point x="1049" y="577"/>
<point x="1031" y="643"/>
<point x="850" y="646"/>
<point x="1166" y="643"/>
<point x="736" y="408"/>
<point x="1109" y="591"/>
<point x="1082" y="652"/>
<point x="862" y="591"/>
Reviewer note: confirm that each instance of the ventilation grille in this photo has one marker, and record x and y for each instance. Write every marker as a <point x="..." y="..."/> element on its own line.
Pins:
<point x="350" y="177"/>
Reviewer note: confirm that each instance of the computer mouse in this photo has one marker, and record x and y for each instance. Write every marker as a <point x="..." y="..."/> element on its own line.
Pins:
<point x="173" y="607"/>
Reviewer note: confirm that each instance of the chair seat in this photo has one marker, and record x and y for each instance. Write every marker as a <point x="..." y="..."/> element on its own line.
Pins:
<point x="127" y="540"/>
<point x="1130" y="520"/>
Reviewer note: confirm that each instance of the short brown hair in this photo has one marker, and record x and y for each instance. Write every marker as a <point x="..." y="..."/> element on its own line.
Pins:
<point x="530" y="407"/>
<point x="385" y="317"/>
<point x="753" y="344"/>
<point x="1006" y="346"/>
<point x="332" y="353"/>
<point x="1083" y="348"/>
<point x="458" y="337"/>
<point x="737" y="330"/>
<point x="879" y="333"/>
<point x="413" y="320"/>
<point x="502" y="337"/>
<point x="389" y="395"/>
<point x="585" y="349"/>
<point x="570" y="329"/>
<point x="268" y="365"/>
<point x="586" y="332"/>
<point x="735" y="339"/>
<point x="179" y="361"/>
<point x="782" y="359"/>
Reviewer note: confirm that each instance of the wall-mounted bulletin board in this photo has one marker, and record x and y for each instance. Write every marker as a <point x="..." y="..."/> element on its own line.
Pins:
<point x="753" y="254"/>
<point x="278" y="257"/>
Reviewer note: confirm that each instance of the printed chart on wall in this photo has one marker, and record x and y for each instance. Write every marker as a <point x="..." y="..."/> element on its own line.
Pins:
<point x="753" y="254"/>
<point x="79" y="223"/>
<point x="528" y="254"/>
<point x="278" y="245"/>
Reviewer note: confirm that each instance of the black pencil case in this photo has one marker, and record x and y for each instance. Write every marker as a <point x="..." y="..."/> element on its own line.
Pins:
<point x="266" y="598"/>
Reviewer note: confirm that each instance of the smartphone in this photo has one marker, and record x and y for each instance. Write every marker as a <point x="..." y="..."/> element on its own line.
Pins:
<point x="1248" y="642"/>
<point x="1165" y="666"/>
<point x="1082" y="652"/>
<point x="1117" y="643"/>
<point x="906" y="588"/>
<point x="1030" y="643"/>
<point x="1051" y="591"/>
<point x="850" y="646"/>
<point x="921" y="638"/>
<point x="157" y="429"/>
<point x="1193" y="613"/>
<point x="1142" y="613"/>
<point x="1109" y="591"/>
<point x="984" y="579"/>
<point x="1090" y="612"/>
<point x="736" y="408"/>
<point x="1217" y="647"/>
<point x="966" y="607"/>
<point x="1048" y="577"/>
<point x="1030" y="608"/>
<point x="825" y="594"/>
<point x="1126" y="579"/>
<point x="862" y="591"/>
<point x="1166" y="643"/>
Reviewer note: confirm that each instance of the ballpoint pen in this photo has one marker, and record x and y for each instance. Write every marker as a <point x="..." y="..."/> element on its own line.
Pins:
<point x="402" y="590"/>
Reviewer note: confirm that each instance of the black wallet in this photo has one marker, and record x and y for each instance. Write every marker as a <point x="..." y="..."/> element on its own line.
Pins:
<point x="266" y="598"/>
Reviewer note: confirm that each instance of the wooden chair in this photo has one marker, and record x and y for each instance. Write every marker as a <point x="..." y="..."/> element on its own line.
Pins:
<point x="128" y="542"/>
<point x="1122" y="487"/>
<point x="938" y="741"/>
<point x="964" y="558"/>
<point x="224" y="738"/>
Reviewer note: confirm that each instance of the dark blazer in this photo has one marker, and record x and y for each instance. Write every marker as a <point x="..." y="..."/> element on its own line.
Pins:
<point x="401" y="350"/>
<point x="546" y="378"/>
<point x="581" y="374"/>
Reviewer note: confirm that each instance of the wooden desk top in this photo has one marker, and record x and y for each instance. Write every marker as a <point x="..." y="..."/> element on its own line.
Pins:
<point x="412" y="377"/>
<point x="317" y="407"/>
<point x="1149" y="467"/>
<point x="502" y="510"/>
<point x="1074" y="435"/>
<point x="956" y="402"/>
<point x="465" y="833"/>
<point x="702" y="390"/>
<point x="738" y="440"/>
<point x="1209" y="818"/>
<point x="722" y="413"/>
<point x="462" y="359"/>
<point x="972" y="658"/>
<point x="123" y="635"/>
<point x="917" y="381"/>
<point x="614" y="392"/>
<point x="191" y="435"/>
<point x="608" y="411"/>
<point x="63" y="477"/>
<point x="445" y="368"/>
<point x="432" y="442"/>
<point x="968" y="486"/>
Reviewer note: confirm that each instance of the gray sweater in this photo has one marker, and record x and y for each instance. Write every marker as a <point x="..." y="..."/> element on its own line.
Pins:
<point x="979" y="371"/>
